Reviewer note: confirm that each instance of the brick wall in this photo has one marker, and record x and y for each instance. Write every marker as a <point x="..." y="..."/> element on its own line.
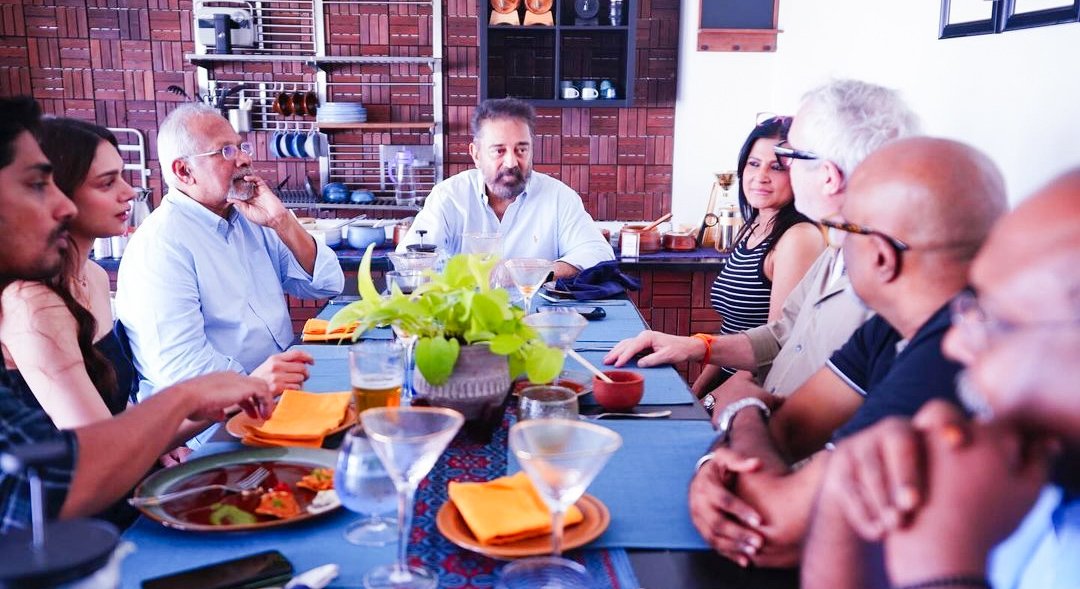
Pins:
<point x="110" y="61"/>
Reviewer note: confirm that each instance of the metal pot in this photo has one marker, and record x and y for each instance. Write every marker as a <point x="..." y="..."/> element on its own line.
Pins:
<point x="361" y="236"/>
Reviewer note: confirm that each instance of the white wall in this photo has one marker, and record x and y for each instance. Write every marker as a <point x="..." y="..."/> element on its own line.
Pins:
<point x="1015" y="95"/>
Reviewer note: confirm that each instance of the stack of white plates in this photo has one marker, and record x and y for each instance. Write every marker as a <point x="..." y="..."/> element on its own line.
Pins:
<point x="342" y="112"/>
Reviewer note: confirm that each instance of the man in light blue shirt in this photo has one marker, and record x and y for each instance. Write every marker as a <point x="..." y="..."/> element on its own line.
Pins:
<point x="202" y="284"/>
<point x="537" y="215"/>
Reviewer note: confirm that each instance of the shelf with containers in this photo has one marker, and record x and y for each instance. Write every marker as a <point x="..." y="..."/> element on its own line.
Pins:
<point x="532" y="61"/>
<point x="326" y="47"/>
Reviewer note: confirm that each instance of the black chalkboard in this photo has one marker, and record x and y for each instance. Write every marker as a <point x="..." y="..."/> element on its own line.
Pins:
<point x="737" y="14"/>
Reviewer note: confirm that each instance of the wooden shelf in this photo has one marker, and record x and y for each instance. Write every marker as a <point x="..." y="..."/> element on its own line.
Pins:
<point x="419" y="126"/>
<point x="316" y="61"/>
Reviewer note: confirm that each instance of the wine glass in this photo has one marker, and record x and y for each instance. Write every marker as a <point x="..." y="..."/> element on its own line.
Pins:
<point x="376" y="372"/>
<point x="485" y="244"/>
<point x="363" y="486"/>
<point x="407" y="281"/>
<point x="529" y="274"/>
<point x="408" y="441"/>
<point x="546" y="402"/>
<point x="561" y="457"/>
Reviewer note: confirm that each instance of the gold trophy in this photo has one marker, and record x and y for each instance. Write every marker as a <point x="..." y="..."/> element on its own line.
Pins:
<point x="504" y="12"/>
<point x="538" y="12"/>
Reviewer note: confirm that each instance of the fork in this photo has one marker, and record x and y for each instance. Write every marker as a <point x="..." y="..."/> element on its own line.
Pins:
<point x="245" y="484"/>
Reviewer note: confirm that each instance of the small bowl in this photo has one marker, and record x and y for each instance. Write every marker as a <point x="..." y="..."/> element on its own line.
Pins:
<point x="622" y="395"/>
<point x="361" y="197"/>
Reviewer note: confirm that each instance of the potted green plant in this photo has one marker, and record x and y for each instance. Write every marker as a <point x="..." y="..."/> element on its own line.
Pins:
<point x="461" y="323"/>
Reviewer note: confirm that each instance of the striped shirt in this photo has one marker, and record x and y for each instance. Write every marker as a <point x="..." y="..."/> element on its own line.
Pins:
<point x="741" y="291"/>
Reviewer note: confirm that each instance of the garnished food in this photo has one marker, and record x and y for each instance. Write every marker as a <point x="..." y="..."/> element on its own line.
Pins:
<point x="277" y="503"/>
<point x="230" y="515"/>
<point x="319" y="479"/>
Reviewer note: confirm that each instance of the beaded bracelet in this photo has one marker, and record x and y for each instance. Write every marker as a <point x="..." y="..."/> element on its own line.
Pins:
<point x="951" y="581"/>
<point x="707" y="340"/>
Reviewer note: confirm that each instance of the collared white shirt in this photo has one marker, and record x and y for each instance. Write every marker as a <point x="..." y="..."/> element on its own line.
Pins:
<point x="198" y="293"/>
<point x="546" y="221"/>
<point x="1043" y="552"/>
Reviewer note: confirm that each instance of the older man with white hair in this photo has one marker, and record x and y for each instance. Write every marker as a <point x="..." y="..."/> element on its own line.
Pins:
<point x="202" y="284"/>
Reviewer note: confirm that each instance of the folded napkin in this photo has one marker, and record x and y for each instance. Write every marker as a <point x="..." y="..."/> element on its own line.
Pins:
<point x="300" y="419"/>
<point x="506" y="509"/>
<point x="315" y="331"/>
<point x="602" y="281"/>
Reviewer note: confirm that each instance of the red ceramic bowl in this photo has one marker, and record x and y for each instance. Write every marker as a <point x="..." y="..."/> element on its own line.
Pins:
<point x="623" y="394"/>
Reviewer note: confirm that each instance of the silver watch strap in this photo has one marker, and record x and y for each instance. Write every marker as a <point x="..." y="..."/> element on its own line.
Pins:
<point x="727" y="416"/>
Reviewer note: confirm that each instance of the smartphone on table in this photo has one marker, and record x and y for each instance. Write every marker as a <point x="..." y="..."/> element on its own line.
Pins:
<point x="247" y="572"/>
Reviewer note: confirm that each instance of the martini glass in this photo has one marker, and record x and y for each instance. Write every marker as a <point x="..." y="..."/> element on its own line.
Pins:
<point x="529" y="274"/>
<point x="561" y="458"/>
<point x="485" y="244"/>
<point x="407" y="281"/>
<point x="408" y="441"/>
<point x="404" y="261"/>
<point x="560" y="328"/>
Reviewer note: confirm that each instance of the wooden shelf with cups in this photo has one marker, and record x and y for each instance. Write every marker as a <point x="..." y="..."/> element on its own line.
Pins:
<point x="562" y="53"/>
<point x="288" y="47"/>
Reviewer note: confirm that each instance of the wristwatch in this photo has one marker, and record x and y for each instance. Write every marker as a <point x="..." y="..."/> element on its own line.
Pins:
<point x="727" y="416"/>
<point x="708" y="402"/>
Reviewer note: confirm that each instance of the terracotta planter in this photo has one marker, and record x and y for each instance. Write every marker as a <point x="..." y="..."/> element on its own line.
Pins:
<point x="481" y="380"/>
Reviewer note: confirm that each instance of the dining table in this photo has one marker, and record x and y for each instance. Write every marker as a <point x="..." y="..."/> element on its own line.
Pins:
<point x="649" y="542"/>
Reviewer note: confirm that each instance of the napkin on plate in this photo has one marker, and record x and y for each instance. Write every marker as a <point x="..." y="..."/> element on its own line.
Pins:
<point x="602" y="281"/>
<point x="300" y="419"/>
<point x="315" y="331"/>
<point x="506" y="509"/>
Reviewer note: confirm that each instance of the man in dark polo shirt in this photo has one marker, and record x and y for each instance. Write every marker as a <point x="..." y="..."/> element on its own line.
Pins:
<point x="107" y="458"/>
<point x="917" y="211"/>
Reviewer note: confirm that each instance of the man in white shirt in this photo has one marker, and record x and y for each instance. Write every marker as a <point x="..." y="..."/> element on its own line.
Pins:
<point x="537" y="215"/>
<point x="202" y="284"/>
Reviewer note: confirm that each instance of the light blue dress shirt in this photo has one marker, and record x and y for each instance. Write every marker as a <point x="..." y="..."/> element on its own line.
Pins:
<point x="546" y="221"/>
<point x="1044" y="551"/>
<point x="199" y="294"/>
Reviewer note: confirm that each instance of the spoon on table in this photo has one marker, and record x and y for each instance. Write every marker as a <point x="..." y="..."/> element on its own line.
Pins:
<point x="644" y="415"/>
<point x="654" y="224"/>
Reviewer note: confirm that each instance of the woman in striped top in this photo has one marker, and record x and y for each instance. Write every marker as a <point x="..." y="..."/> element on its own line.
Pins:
<point x="775" y="247"/>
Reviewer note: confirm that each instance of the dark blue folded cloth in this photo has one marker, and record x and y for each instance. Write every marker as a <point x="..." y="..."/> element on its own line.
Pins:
<point x="602" y="281"/>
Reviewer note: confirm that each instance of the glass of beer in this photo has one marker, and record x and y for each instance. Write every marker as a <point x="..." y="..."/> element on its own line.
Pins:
<point x="376" y="372"/>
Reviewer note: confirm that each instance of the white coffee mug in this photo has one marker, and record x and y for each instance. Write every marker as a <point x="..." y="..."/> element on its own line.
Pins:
<point x="570" y="93"/>
<point x="590" y="93"/>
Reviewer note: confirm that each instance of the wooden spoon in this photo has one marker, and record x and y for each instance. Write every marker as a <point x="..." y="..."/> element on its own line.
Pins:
<point x="654" y="224"/>
<point x="588" y="365"/>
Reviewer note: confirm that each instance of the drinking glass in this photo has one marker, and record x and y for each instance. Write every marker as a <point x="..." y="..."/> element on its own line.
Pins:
<point x="546" y="402"/>
<point x="407" y="281"/>
<point x="561" y="457"/>
<point x="529" y="274"/>
<point x="376" y="372"/>
<point x="408" y="441"/>
<point x="363" y="486"/>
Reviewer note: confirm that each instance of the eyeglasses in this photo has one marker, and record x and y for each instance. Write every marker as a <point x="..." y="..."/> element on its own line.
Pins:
<point x="834" y="231"/>
<point x="229" y="152"/>
<point x="765" y="118"/>
<point x="980" y="327"/>
<point x="785" y="153"/>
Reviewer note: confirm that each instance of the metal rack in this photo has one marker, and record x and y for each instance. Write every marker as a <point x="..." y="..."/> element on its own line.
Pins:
<point x="264" y="93"/>
<point x="294" y="32"/>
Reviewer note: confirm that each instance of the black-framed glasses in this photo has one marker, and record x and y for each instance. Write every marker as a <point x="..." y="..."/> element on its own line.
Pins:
<point x="785" y="153"/>
<point x="229" y="152"/>
<point x="834" y="231"/>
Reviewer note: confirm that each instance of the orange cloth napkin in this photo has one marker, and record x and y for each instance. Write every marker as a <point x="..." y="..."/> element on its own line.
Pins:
<point x="506" y="509"/>
<point x="315" y="331"/>
<point x="300" y="419"/>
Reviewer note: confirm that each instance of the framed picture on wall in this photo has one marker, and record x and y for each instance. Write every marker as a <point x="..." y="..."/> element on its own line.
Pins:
<point x="1022" y="14"/>
<point x="962" y="18"/>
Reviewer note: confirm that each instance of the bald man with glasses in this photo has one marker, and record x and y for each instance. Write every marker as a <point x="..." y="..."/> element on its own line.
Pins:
<point x="202" y="284"/>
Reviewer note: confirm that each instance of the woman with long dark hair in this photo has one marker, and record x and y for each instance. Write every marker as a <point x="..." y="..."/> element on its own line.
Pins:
<point x="57" y="335"/>
<point x="774" y="248"/>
